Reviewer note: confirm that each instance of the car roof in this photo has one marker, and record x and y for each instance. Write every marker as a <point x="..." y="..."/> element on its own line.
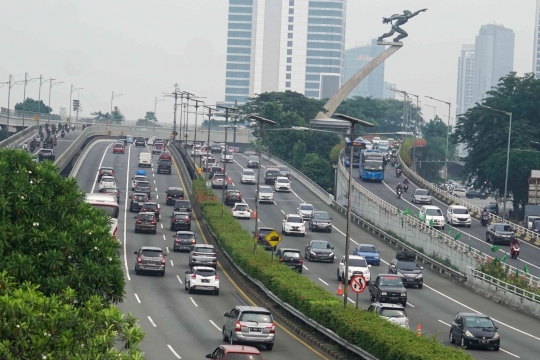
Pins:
<point x="356" y="257"/>
<point x="147" y="213"/>
<point x="312" y="241"/>
<point x="458" y="207"/>
<point x="149" y="203"/>
<point x="319" y="211"/>
<point x="139" y="194"/>
<point x="388" y="305"/>
<point x="151" y="248"/>
<point x="289" y="249"/>
<point x="266" y="228"/>
<point x="241" y="349"/>
<point x="174" y="188"/>
<point x="185" y="233"/>
<point x="106" y="167"/>
<point x="431" y="207"/>
<point x="304" y="204"/>
<point x="472" y="314"/>
<point x="183" y="200"/>
<point x="205" y="246"/>
<point x="292" y="215"/>
<point x="203" y="268"/>
<point x="283" y="177"/>
<point x="389" y="275"/>
<point x="253" y="308"/>
<point x="181" y="212"/>
<point x="264" y="186"/>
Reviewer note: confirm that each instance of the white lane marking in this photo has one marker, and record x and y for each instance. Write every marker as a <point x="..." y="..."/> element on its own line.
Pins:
<point x="180" y="280"/>
<point x="154" y="181"/>
<point x="444" y="323"/>
<point x="153" y="174"/>
<point x="411" y="305"/>
<point x="161" y="225"/>
<point x="299" y="198"/>
<point x="172" y="264"/>
<point x="174" y="352"/>
<point x="239" y="164"/>
<point x="166" y="247"/>
<point x="213" y="323"/>
<point x="304" y="266"/>
<point x="283" y="212"/>
<point x="155" y="188"/>
<point x="152" y="321"/>
<point x="509" y="353"/>
<point x="164" y="237"/>
<point x="324" y="282"/>
<point x="351" y="300"/>
<point x="193" y="301"/>
<point x="159" y="207"/>
<point x="100" y="164"/>
<point x="137" y="297"/>
<point x="342" y="233"/>
<point x="157" y="196"/>
<point x="125" y="215"/>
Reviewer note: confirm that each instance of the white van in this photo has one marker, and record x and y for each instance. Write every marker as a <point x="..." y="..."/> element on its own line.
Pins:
<point x="458" y="215"/>
<point x="145" y="159"/>
<point x="266" y="194"/>
<point x="459" y="192"/>
<point x="432" y="213"/>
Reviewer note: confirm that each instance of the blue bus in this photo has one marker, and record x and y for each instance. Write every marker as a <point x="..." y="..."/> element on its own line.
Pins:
<point x="358" y="145"/>
<point x="371" y="165"/>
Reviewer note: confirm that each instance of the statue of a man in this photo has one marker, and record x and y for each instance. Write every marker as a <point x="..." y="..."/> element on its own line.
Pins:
<point x="400" y="20"/>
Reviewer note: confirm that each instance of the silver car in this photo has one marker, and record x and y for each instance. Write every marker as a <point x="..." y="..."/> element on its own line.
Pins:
<point x="249" y="325"/>
<point x="421" y="196"/>
<point x="150" y="258"/>
<point x="219" y="180"/>
<point x="203" y="255"/>
<point x="395" y="313"/>
<point x="305" y="211"/>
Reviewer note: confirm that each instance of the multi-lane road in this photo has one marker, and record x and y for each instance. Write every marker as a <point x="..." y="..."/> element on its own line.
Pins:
<point x="433" y="307"/>
<point x="62" y="143"/>
<point x="178" y="324"/>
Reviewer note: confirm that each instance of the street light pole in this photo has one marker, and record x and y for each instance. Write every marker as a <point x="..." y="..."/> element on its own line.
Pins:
<point x="225" y="151"/>
<point x="196" y="113"/>
<point x="210" y="109"/>
<point x="434" y="111"/>
<point x="156" y="101"/>
<point x="417" y="119"/>
<point x="41" y="82"/>
<point x="112" y="98"/>
<point x="10" y="85"/>
<point x="447" y="134"/>
<point x="51" y="84"/>
<point x="70" y="96"/>
<point x="26" y="81"/>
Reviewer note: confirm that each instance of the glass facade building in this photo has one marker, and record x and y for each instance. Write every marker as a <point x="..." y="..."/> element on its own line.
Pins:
<point x="536" y="48"/>
<point x="357" y="58"/>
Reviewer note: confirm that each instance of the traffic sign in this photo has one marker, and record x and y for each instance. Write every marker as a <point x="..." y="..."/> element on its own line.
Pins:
<point x="36" y="117"/>
<point x="358" y="284"/>
<point x="200" y="170"/>
<point x="273" y="238"/>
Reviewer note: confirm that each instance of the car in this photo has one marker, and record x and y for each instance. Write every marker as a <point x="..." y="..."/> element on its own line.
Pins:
<point x="118" y="148"/>
<point x="151" y="141"/>
<point x="530" y="220"/>
<point x="493" y="208"/>
<point x="421" y="196"/>
<point x="164" y="166"/>
<point x="196" y="150"/>
<point x="146" y="222"/>
<point x="241" y="211"/>
<point x="319" y="250"/>
<point x="282" y="184"/>
<point x="172" y="194"/>
<point x="46" y="154"/>
<point x="253" y="161"/>
<point x="305" y="210"/>
<point x="122" y="139"/>
<point x="471" y="194"/>
<point x="159" y="141"/>
<point x="180" y="220"/>
<point x="151" y="207"/>
<point x="293" y="224"/>
<point x="291" y="257"/>
<point x="498" y="233"/>
<point x="376" y="140"/>
<point x="222" y="352"/>
<point x="216" y="149"/>
<point x="261" y="237"/>
<point x="284" y="171"/>
<point x="208" y="162"/>
<point x="459" y="192"/>
<point x="220" y="180"/>
<point x="203" y="255"/>
<point x="368" y="252"/>
<point x="357" y="266"/>
<point x="216" y="169"/>
<point x="474" y="330"/>
<point x="202" y="278"/>
<point x="129" y="139"/>
<point x="432" y="213"/>
<point x="388" y="288"/>
<point x="157" y="148"/>
<point x="136" y="179"/>
<point x="165" y="155"/>
<point x="271" y="175"/>
<point x="226" y="156"/>
<point x="405" y="265"/>
<point x="249" y="325"/>
<point x="266" y="194"/>
<point x="320" y="220"/>
<point x="112" y="191"/>
<point x="107" y="182"/>
<point x="458" y="215"/>
<point x="151" y="259"/>
<point x="145" y="159"/>
<point x="184" y="240"/>
<point x="143" y="187"/>
<point x="139" y="141"/>
<point x="105" y="170"/>
<point x="137" y="201"/>
<point x="395" y="313"/>
<point x="233" y="196"/>
<point x="182" y="205"/>
<point x="248" y="177"/>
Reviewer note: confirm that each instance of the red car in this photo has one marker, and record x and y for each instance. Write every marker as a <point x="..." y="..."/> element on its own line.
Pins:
<point x="118" y="148"/>
<point x="165" y="155"/>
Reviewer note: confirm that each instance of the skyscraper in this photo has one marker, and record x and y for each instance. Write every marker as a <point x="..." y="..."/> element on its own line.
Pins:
<point x="465" y="81"/>
<point x="536" y="49"/>
<point x="279" y="45"/>
<point x="493" y="58"/>
<point x="355" y="59"/>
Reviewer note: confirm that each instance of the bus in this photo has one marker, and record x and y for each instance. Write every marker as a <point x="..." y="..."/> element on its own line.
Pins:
<point x="107" y="203"/>
<point x="358" y="145"/>
<point x="372" y="165"/>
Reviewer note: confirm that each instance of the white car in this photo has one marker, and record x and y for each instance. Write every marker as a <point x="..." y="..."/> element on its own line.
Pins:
<point x="458" y="215"/>
<point x="241" y="211"/>
<point x="202" y="278"/>
<point x="151" y="141"/>
<point x="282" y="184"/>
<point x="107" y="182"/>
<point x="459" y="192"/>
<point x="137" y="178"/>
<point x="304" y="210"/>
<point x="293" y="224"/>
<point x="248" y="177"/>
<point x="266" y="194"/>
<point x="376" y="140"/>
<point x="432" y="213"/>
<point x="357" y="266"/>
<point x="196" y="151"/>
<point x="227" y="156"/>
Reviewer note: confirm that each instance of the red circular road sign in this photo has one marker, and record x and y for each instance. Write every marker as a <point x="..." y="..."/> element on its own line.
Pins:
<point x="358" y="284"/>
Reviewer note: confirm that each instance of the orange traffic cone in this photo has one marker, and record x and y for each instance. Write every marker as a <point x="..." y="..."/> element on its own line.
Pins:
<point x="255" y="213"/>
<point x="418" y="330"/>
<point x="230" y="180"/>
<point x="340" y="289"/>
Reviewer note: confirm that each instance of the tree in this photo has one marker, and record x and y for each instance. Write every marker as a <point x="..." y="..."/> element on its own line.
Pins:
<point x="101" y="117"/>
<point x="334" y="153"/>
<point x="299" y="153"/>
<point x="149" y="119"/>
<point x="318" y="170"/>
<point x="288" y="101"/>
<point x="51" y="237"/>
<point x="35" y="326"/>
<point x="117" y="116"/>
<point x="32" y="105"/>
<point x="434" y="132"/>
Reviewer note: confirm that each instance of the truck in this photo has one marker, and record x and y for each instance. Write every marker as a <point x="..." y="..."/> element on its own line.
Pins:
<point x="388" y="288"/>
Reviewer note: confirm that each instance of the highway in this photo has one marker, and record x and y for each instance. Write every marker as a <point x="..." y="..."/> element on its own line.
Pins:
<point x="433" y="307"/>
<point x="62" y="143"/>
<point x="178" y="325"/>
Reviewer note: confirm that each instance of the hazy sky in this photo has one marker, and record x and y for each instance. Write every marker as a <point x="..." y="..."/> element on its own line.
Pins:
<point x="140" y="48"/>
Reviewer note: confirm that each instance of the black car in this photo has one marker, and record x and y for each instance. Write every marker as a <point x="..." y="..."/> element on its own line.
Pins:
<point x="284" y="171"/>
<point x="232" y="197"/>
<point x="405" y="264"/>
<point x="184" y="240"/>
<point x="253" y="161"/>
<point x="471" y="194"/>
<point x="291" y="257"/>
<point x="180" y="220"/>
<point x="320" y="220"/>
<point x="46" y="154"/>
<point x="123" y="138"/>
<point x="216" y="149"/>
<point x="151" y="207"/>
<point x="139" y="141"/>
<point x="173" y="194"/>
<point x="499" y="233"/>
<point x="319" y="250"/>
<point x="164" y="166"/>
<point x="137" y="201"/>
<point x="271" y="175"/>
<point x="388" y="288"/>
<point x="261" y="237"/>
<point x="472" y="329"/>
<point x="105" y="170"/>
<point x="182" y="205"/>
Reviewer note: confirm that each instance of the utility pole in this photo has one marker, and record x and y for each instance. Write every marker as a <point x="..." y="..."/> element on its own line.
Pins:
<point x="175" y="94"/>
<point x="210" y="109"/>
<point x="196" y="109"/>
<point x="189" y="96"/>
<point x="405" y="100"/>
<point x="417" y="119"/>
<point x="51" y="84"/>
<point x="26" y="81"/>
<point x="227" y="109"/>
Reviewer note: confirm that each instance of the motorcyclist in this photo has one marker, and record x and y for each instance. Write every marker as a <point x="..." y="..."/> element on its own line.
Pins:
<point x="513" y="242"/>
<point x="399" y="187"/>
<point x="406" y="181"/>
<point x="25" y="146"/>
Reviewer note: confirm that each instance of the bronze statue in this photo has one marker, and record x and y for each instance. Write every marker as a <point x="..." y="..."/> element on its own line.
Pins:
<point x="400" y="20"/>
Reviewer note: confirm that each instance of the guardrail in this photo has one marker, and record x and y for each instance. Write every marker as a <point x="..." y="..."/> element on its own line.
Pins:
<point x="505" y="286"/>
<point x="13" y="139"/>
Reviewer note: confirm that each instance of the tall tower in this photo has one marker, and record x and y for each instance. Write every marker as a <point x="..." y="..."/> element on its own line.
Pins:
<point x="536" y="49"/>
<point x="465" y="81"/>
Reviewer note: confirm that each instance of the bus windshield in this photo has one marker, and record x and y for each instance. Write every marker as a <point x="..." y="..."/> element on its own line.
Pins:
<point x="373" y="165"/>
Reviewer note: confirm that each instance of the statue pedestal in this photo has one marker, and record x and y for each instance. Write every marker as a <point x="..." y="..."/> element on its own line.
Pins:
<point x="397" y="43"/>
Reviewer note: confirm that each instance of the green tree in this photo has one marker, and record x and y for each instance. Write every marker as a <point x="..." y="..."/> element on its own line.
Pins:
<point x="117" y="116"/>
<point x="149" y="119"/>
<point x="35" y="326"/>
<point x="288" y="101"/>
<point x="50" y="236"/>
<point x="334" y="153"/>
<point x="299" y="153"/>
<point x="318" y="170"/>
<point x="32" y="105"/>
<point x="101" y="117"/>
<point x="434" y="128"/>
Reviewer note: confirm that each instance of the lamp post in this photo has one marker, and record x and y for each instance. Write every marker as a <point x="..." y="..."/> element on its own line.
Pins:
<point x="26" y="81"/>
<point x="112" y="98"/>
<point x="156" y="101"/>
<point x="227" y="109"/>
<point x="51" y="84"/>
<point x="447" y="133"/>
<point x="509" y="113"/>
<point x="196" y="113"/>
<point x="434" y="111"/>
<point x="417" y="118"/>
<point x="41" y="82"/>
<point x="10" y="83"/>
<point x="70" y="95"/>
<point x="210" y="109"/>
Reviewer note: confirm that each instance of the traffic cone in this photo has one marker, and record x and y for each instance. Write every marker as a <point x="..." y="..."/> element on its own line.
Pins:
<point x="418" y="330"/>
<point x="255" y="213"/>
<point x="340" y="289"/>
<point x="230" y="180"/>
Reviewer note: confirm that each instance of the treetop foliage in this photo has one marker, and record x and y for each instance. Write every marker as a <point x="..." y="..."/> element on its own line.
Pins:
<point x="32" y="105"/>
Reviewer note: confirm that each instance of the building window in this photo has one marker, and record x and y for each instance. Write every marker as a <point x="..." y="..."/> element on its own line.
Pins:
<point x="291" y="11"/>
<point x="288" y="76"/>
<point x="289" y="51"/>
<point x="289" y="35"/>
<point x="291" y="19"/>
<point x="289" y="43"/>
<point x="290" y="28"/>
<point x="291" y="2"/>
<point x="289" y="60"/>
<point x="288" y="84"/>
<point x="289" y="68"/>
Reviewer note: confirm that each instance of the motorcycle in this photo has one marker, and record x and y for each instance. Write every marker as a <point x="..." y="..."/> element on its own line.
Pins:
<point x="32" y="147"/>
<point x="485" y="220"/>
<point x="514" y="250"/>
<point x="54" y="142"/>
<point x="399" y="193"/>
<point x="405" y="188"/>
<point x="72" y="127"/>
<point x="62" y="134"/>
<point x="398" y="172"/>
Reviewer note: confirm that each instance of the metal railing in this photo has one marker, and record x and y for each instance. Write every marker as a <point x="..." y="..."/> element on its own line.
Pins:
<point x="506" y="286"/>
<point x="21" y="135"/>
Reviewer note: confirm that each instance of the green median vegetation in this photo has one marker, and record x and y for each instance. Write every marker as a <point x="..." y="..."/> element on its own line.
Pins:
<point x="500" y="270"/>
<point x="366" y="330"/>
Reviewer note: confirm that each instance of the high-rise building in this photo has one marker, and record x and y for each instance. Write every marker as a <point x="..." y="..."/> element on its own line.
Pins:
<point x="536" y="49"/>
<point x="355" y="59"/>
<point x="465" y="80"/>
<point x="279" y="45"/>
<point x="493" y="58"/>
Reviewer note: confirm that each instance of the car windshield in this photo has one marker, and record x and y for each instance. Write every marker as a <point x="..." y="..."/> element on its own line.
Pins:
<point x="383" y="147"/>
<point x="272" y="173"/>
<point x="249" y="172"/>
<point x="502" y="228"/>
<point x="291" y="254"/>
<point x="295" y="219"/>
<point x="182" y="203"/>
<point x="265" y="190"/>
<point x="175" y="192"/>
<point x="106" y="169"/>
<point x="321" y="216"/>
<point x="256" y="317"/>
<point x="476" y="321"/>
<point x="461" y="211"/>
<point x="283" y="168"/>
<point x="242" y="207"/>
<point x="152" y="253"/>
<point x="368" y="249"/>
<point x="393" y="313"/>
<point x="204" y="250"/>
<point x="228" y="152"/>
<point x="283" y="181"/>
<point x="118" y="146"/>
<point x="319" y="245"/>
<point x="537" y="224"/>
<point x="421" y="192"/>
<point x="433" y="212"/>
<point x="164" y="162"/>
<point x="234" y="192"/>
<point x="306" y="207"/>
<point x="107" y="179"/>
<point x="210" y="160"/>
<point x="407" y="265"/>
<point x="491" y="206"/>
<point x="357" y="262"/>
<point x="218" y="176"/>
<point x="390" y="281"/>
<point x="146" y="217"/>
<point x="204" y="272"/>
<point x="142" y="183"/>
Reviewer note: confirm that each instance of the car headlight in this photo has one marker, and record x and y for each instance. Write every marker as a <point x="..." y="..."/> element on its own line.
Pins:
<point x="331" y="254"/>
<point x="496" y="336"/>
<point x="420" y="276"/>
<point x="376" y="257"/>
<point x="468" y="333"/>
<point x="312" y="253"/>
<point x="403" y="294"/>
<point x="383" y="293"/>
<point x="399" y="273"/>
